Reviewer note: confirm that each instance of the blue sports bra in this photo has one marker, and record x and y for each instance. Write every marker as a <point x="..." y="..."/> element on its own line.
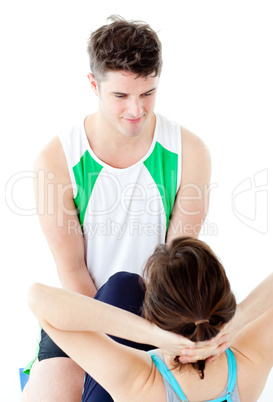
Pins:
<point x="231" y="385"/>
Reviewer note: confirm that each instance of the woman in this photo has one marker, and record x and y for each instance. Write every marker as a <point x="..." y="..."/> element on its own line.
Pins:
<point x="188" y="299"/>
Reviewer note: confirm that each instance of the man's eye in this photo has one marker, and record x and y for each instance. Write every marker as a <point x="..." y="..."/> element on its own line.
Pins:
<point x="146" y="95"/>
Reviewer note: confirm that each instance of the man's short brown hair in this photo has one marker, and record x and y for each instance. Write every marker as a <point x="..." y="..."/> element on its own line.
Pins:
<point x="124" y="45"/>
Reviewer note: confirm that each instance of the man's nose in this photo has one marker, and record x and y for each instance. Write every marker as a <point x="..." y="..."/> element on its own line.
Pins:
<point x="135" y="108"/>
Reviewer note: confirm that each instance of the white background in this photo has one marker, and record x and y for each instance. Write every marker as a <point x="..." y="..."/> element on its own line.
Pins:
<point x="216" y="81"/>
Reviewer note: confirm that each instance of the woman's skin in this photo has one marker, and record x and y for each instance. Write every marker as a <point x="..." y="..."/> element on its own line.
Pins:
<point x="78" y="325"/>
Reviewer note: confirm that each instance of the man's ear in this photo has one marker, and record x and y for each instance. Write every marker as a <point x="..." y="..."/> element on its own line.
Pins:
<point x="94" y="83"/>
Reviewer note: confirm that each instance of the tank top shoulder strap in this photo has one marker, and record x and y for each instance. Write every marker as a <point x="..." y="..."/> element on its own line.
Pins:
<point x="232" y="377"/>
<point x="232" y="373"/>
<point x="167" y="374"/>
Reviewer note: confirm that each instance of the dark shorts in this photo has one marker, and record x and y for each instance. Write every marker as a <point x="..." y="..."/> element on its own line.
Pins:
<point x="48" y="349"/>
<point x="124" y="290"/>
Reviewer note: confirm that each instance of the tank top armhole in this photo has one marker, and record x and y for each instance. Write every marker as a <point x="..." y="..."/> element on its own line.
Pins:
<point x="168" y="133"/>
<point x="179" y="170"/>
<point x="66" y="150"/>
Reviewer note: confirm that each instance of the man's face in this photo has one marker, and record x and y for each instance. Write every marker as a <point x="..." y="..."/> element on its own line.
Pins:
<point x="126" y="103"/>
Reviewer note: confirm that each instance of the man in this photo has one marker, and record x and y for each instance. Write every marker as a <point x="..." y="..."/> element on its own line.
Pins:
<point x="115" y="186"/>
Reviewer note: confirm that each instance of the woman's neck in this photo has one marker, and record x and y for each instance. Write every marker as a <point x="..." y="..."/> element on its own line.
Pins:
<point x="195" y="388"/>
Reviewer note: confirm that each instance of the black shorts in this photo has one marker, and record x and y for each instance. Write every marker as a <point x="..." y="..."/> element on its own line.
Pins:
<point x="48" y="349"/>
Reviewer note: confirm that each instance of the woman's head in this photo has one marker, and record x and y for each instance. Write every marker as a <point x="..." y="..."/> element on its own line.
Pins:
<point x="186" y="283"/>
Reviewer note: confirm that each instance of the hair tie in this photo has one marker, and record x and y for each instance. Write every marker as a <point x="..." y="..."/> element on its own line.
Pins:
<point x="200" y="322"/>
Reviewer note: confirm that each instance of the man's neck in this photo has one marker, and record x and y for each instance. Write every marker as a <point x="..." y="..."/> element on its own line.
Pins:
<point x="114" y="148"/>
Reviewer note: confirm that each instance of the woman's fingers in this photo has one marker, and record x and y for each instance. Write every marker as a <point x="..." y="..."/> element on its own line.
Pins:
<point x="211" y="351"/>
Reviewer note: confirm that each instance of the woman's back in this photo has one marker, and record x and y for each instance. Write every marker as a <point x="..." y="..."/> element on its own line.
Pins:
<point x="175" y="392"/>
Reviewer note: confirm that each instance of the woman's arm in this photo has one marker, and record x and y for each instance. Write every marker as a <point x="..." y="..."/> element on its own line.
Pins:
<point x="254" y="356"/>
<point x="65" y="310"/>
<point x="78" y="323"/>
<point x="253" y="306"/>
<point x="69" y="311"/>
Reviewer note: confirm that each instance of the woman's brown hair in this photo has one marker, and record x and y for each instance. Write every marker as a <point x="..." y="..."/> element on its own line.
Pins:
<point x="187" y="283"/>
<point x="125" y="45"/>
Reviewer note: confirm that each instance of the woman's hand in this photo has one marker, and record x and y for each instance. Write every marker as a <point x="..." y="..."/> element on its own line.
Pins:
<point x="211" y="349"/>
<point x="190" y="352"/>
<point x="207" y="350"/>
<point x="172" y="344"/>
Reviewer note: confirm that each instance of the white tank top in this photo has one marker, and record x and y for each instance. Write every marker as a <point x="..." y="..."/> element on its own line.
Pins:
<point x="124" y="213"/>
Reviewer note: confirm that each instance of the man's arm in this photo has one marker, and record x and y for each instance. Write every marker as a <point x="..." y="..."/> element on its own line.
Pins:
<point x="59" y="220"/>
<point x="192" y="201"/>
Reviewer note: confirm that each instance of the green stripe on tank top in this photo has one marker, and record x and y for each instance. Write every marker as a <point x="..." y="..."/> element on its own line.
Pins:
<point x="86" y="173"/>
<point x="162" y="165"/>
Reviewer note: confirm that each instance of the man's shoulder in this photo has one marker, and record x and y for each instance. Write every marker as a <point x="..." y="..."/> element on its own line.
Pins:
<point x="54" y="154"/>
<point x="51" y="158"/>
<point x="192" y="142"/>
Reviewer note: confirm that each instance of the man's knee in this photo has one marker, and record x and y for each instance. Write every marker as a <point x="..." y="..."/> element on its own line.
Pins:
<point x="54" y="380"/>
